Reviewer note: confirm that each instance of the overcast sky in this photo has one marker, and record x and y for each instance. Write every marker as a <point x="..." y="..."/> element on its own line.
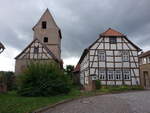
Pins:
<point x="81" y="21"/>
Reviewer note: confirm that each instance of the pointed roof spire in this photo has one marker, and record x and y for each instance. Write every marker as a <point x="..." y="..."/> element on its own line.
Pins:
<point x="111" y="32"/>
<point x="50" y="15"/>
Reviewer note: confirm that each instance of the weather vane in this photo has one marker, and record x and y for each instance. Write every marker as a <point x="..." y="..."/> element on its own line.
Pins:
<point x="1" y="47"/>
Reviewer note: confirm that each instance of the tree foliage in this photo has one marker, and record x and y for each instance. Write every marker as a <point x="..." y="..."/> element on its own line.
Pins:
<point x="43" y="79"/>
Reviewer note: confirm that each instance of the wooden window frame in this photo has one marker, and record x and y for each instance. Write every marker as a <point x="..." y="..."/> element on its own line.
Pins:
<point x="118" y="74"/>
<point x="101" y="55"/>
<point x="110" y="75"/>
<point x="126" y="74"/>
<point x="125" y="56"/>
<point x="102" y="74"/>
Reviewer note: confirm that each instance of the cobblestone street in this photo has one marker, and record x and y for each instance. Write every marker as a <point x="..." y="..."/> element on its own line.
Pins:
<point x="132" y="102"/>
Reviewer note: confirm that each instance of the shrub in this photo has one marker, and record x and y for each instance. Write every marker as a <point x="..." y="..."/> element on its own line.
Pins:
<point x="97" y="84"/>
<point x="43" y="79"/>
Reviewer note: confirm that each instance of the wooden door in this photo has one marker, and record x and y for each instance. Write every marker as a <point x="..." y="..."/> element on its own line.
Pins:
<point x="146" y="79"/>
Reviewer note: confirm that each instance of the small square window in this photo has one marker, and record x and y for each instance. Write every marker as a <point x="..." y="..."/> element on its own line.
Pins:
<point x="44" y="25"/>
<point x="101" y="55"/>
<point x="45" y="39"/>
<point x="125" y="55"/>
<point x="113" y="40"/>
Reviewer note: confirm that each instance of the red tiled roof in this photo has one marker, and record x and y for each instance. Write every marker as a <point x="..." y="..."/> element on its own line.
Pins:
<point x="147" y="53"/>
<point x="77" y="68"/>
<point x="111" y="32"/>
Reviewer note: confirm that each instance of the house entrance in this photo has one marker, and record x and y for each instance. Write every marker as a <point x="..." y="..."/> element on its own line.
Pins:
<point x="146" y="79"/>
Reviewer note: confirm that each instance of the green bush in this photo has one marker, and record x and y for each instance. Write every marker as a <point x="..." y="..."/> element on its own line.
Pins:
<point x="97" y="84"/>
<point x="43" y="79"/>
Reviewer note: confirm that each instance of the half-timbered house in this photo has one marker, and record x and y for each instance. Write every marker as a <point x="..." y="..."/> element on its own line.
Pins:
<point x="112" y="59"/>
<point x="46" y="44"/>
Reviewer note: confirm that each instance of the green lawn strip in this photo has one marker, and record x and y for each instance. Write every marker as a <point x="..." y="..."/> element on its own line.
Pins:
<point x="12" y="103"/>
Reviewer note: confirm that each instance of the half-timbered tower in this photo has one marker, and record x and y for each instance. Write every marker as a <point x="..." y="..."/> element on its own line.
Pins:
<point x="46" y="44"/>
<point x="112" y="59"/>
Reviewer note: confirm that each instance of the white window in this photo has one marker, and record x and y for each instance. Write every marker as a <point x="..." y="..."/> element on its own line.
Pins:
<point x="126" y="74"/>
<point x="101" y="55"/>
<point x="118" y="74"/>
<point x="102" y="74"/>
<point x="125" y="56"/>
<point x="110" y="74"/>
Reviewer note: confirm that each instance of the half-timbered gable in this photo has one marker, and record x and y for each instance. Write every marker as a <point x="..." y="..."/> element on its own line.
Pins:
<point x="36" y="50"/>
<point x="113" y="59"/>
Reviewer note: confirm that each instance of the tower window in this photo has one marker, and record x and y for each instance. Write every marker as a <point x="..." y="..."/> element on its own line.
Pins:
<point x="113" y="40"/>
<point x="45" y="39"/>
<point x="44" y="24"/>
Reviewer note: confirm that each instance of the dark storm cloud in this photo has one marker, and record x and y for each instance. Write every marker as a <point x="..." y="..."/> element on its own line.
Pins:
<point x="81" y="21"/>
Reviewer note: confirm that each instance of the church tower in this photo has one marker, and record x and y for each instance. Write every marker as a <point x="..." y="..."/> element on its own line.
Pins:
<point x="47" y="31"/>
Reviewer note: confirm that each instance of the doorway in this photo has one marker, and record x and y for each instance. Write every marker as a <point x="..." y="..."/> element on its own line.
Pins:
<point x="146" y="79"/>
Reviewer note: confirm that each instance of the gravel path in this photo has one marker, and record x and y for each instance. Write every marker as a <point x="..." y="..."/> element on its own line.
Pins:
<point x="132" y="102"/>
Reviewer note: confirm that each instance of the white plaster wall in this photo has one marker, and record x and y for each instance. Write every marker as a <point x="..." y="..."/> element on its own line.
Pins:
<point x="125" y="46"/>
<point x="107" y="45"/>
<point x="109" y="59"/>
<point x="106" y="39"/>
<point x="118" y="82"/>
<point x="126" y="64"/>
<point x="113" y="46"/>
<point x="110" y="65"/>
<point x="118" y="59"/>
<point x="103" y="82"/>
<point x="109" y="53"/>
<point x="93" y="58"/>
<point x="118" y="64"/>
<point x="119" y="39"/>
<point x="119" y="46"/>
<point x="110" y="82"/>
<point x="101" y="46"/>
<point x="127" y="82"/>
<point x="101" y="64"/>
<point x="100" y="39"/>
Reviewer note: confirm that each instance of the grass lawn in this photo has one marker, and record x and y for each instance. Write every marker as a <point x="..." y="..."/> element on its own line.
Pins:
<point x="12" y="103"/>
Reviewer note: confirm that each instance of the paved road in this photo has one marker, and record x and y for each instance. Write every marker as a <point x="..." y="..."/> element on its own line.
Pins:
<point x="132" y="102"/>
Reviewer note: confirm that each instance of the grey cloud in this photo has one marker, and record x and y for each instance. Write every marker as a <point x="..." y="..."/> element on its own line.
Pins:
<point x="81" y="21"/>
